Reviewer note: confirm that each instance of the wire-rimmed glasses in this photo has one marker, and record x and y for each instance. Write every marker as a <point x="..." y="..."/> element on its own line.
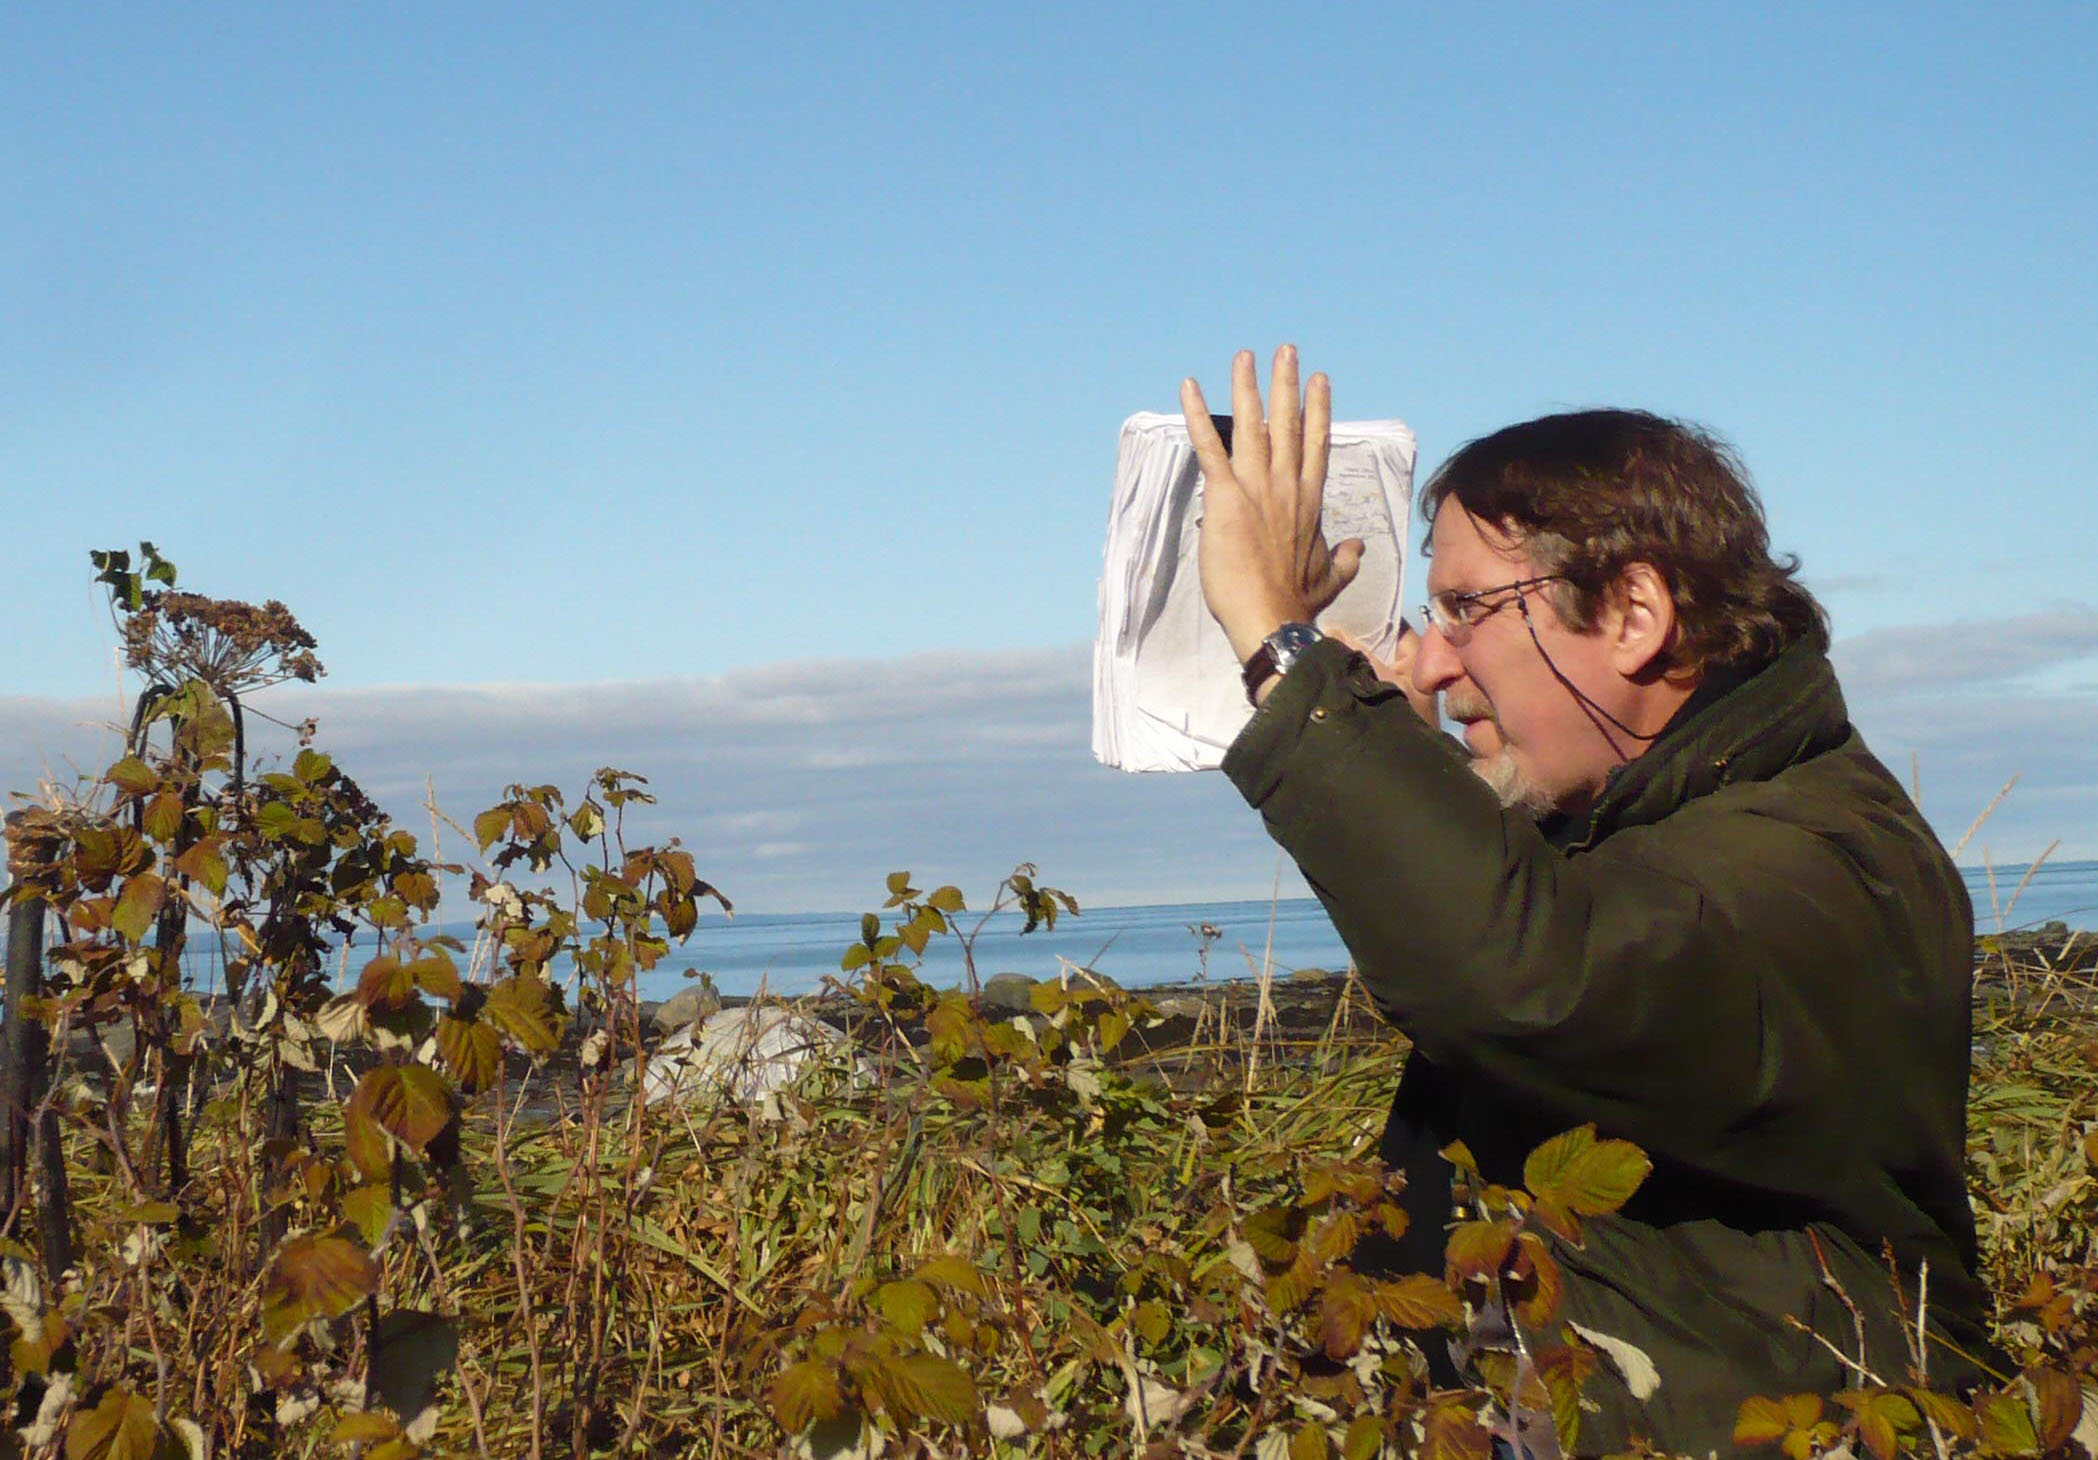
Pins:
<point x="1454" y="615"/>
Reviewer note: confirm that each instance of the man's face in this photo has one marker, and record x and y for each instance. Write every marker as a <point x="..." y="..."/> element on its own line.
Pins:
<point x="1531" y="738"/>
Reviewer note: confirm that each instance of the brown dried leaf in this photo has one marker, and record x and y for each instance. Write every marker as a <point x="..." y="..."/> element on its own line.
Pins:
<point x="385" y="986"/>
<point x="1453" y="1432"/>
<point x="121" y="1427"/>
<point x="806" y="1392"/>
<point x="409" y="1102"/>
<point x="1477" y="1249"/>
<point x="315" y="1276"/>
<point x="1419" y="1301"/>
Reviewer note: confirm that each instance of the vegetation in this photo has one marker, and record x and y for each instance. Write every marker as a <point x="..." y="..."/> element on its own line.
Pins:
<point x="426" y="1217"/>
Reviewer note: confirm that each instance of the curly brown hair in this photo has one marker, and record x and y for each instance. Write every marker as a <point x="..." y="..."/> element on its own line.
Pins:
<point x="1589" y="493"/>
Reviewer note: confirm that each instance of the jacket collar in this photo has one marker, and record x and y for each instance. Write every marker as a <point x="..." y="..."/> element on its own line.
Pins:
<point x="1789" y="710"/>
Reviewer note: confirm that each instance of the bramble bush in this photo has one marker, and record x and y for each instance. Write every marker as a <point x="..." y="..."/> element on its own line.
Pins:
<point x="430" y="1214"/>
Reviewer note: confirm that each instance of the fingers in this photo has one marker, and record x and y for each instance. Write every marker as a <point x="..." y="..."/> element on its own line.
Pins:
<point x="1285" y="420"/>
<point x="1318" y="427"/>
<point x="1341" y="569"/>
<point x="1202" y="433"/>
<point x="1249" y="437"/>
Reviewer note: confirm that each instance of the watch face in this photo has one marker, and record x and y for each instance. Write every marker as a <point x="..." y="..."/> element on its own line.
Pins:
<point x="1287" y="642"/>
<point x="1294" y="639"/>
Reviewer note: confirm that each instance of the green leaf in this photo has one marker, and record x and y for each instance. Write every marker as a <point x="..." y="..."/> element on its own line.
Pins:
<point x="471" y="1050"/>
<point x="856" y="956"/>
<point x="152" y="1213"/>
<point x="1947" y="1413"/>
<point x="408" y="1102"/>
<point x="162" y="820"/>
<point x="522" y="1007"/>
<point x="410" y="1352"/>
<point x="435" y="973"/>
<point x="138" y="905"/>
<point x="132" y="776"/>
<point x="1883" y="1416"/>
<point x="954" y="1274"/>
<point x="2004" y="1424"/>
<point x="946" y="899"/>
<point x="490" y="825"/>
<point x="277" y="821"/>
<point x="369" y="1209"/>
<point x="928" y="1386"/>
<point x="1760" y="1420"/>
<point x="1364" y="1439"/>
<point x="364" y="1428"/>
<point x="1548" y="1164"/>
<point x="121" y="1427"/>
<point x="1588" y="1177"/>
<point x="311" y="766"/>
<point x="1311" y="1443"/>
<point x="365" y="1144"/>
<point x="907" y="1303"/>
<point x="1152" y="1320"/>
<point x="806" y="1392"/>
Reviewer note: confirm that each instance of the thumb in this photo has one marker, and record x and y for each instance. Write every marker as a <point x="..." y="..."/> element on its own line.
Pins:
<point x="1341" y="568"/>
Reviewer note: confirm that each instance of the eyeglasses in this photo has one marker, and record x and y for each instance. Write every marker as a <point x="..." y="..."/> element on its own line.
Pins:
<point x="1454" y="615"/>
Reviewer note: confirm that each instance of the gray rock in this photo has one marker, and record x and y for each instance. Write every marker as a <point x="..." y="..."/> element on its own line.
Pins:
<point x="1008" y="993"/>
<point x="746" y="1054"/>
<point x="700" y="1000"/>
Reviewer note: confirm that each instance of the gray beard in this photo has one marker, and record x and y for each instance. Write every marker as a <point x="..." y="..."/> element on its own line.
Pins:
<point x="1514" y="790"/>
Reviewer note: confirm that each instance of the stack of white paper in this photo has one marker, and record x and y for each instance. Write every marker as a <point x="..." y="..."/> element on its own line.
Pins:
<point x="1166" y="688"/>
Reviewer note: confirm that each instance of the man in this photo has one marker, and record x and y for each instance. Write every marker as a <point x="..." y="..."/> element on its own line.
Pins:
<point x="1664" y="889"/>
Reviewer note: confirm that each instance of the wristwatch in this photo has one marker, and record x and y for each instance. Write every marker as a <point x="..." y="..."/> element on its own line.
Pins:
<point x="1276" y="653"/>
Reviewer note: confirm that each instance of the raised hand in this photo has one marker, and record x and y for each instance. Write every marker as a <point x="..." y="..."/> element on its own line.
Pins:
<point x="1265" y="561"/>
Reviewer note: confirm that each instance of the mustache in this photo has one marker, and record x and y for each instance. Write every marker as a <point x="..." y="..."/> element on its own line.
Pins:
<point x="1466" y="704"/>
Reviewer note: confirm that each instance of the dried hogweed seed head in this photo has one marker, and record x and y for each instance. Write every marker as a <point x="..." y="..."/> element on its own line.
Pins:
<point x="232" y="646"/>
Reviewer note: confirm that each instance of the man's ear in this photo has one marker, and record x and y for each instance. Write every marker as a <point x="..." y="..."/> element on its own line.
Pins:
<point x="1640" y="624"/>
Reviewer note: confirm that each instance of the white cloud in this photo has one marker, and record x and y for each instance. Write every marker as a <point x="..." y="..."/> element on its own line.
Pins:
<point x="797" y="786"/>
<point x="1930" y="659"/>
<point x="800" y="786"/>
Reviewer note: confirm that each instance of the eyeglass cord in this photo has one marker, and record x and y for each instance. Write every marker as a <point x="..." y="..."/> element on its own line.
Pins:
<point x="1587" y="704"/>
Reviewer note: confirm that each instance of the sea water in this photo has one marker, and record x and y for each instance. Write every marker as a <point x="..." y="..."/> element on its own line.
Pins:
<point x="1182" y="942"/>
<point x="793" y="953"/>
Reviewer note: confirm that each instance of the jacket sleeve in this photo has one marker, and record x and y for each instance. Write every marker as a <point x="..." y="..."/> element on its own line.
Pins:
<point x="1650" y="983"/>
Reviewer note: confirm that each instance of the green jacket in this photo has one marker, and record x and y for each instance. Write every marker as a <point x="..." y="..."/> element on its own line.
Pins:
<point x="1753" y="959"/>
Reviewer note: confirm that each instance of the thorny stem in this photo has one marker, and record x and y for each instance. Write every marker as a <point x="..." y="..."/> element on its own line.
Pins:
<point x="1861" y="1375"/>
<point x="1857" y="1317"/>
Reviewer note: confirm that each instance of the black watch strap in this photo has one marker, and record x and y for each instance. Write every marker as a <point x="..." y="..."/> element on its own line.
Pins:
<point x="1276" y="653"/>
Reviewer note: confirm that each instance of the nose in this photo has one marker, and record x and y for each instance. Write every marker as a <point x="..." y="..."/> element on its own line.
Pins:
<point x="1435" y="664"/>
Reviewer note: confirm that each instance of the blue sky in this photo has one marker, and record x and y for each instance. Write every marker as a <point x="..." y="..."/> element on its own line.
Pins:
<point x="638" y="346"/>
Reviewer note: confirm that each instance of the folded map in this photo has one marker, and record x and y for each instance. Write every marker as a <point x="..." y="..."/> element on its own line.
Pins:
<point x="1166" y="688"/>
